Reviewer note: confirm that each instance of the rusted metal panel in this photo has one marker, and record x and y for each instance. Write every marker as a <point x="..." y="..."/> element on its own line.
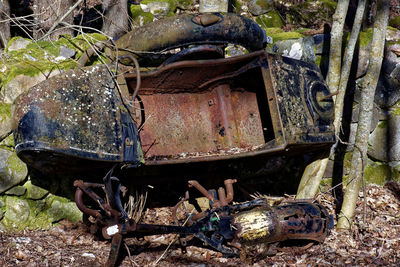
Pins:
<point x="253" y="104"/>
<point x="256" y="105"/>
<point x="200" y="122"/>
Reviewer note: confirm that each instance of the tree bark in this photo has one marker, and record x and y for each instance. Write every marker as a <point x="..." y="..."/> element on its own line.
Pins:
<point x="4" y="22"/>
<point x="48" y="12"/>
<point x="333" y="78"/>
<point x="116" y="18"/>
<point x="335" y="52"/>
<point x="368" y="86"/>
<point x="311" y="179"/>
<point x="348" y="59"/>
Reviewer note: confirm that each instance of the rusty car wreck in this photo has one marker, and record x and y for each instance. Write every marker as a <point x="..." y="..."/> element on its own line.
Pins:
<point x="193" y="113"/>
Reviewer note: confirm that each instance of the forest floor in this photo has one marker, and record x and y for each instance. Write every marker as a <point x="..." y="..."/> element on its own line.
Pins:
<point x="374" y="242"/>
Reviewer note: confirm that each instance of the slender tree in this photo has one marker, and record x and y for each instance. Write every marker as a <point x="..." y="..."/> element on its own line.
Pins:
<point x="314" y="172"/>
<point x="367" y="86"/>
<point x="4" y="22"/>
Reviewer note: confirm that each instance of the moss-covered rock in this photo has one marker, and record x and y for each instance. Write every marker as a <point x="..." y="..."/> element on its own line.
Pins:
<point x="395" y="22"/>
<point x="5" y="119"/>
<point x="378" y="173"/>
<point x="34" y="192"/>
<point x="12" y="170"/>
<point x="308" y="13"/>
<point x="61" y="208"/>
<point x="159" y="8"/>
<point x="278" y="34"/>
<point x="270" y="20"/>
<point x="140" y="17"/>
<point x="259" y="7"/>
<point x="17" y="43"/>
<point x="213" y="6"/>
<point x="8" y="143"/>
<point x="16" y="191"/>
<point x="41" y="57"/>
<point x="17" y="212"/>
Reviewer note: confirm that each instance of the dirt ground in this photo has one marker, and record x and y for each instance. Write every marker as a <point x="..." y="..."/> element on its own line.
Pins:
<point x="372" y="243"/>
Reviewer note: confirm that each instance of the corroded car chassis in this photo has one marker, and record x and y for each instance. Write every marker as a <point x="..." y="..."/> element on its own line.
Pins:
<point x="196" y="114"/>
<point x="224" y="227"/>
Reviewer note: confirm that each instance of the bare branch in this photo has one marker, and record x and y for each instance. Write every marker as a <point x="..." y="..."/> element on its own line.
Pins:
<point x="61" y="19"/>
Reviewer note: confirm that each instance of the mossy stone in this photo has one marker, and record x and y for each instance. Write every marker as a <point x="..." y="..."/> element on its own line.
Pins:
<point x="377" y="173"/>
<point x="259" y="7"/>
<point x="34" y="192"/>
<point x="16" y="191"/>
<point x="278" y="34"/>
<point x="17" y="167"/>
<point x="61" y="208"/>
<point x="395" y="22"/>
<point x="270" y="20"/>
<point x="41" y="56"/>
<point x="5" y="119"/>
<point x="139" y="16"/>
<point x="17" y="43"/>
<point x="17" y="211"/>
<point x="160" y="8"/>
<point x="5" y="111"/>
<point x="12" y="170"/>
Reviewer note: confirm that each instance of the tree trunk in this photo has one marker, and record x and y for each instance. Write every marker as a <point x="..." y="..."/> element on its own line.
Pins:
<point x="335" y="62"/>
<point x="348" y="59"/>
<point x="4" y="23"/>
<point x="48" y="12"/>
<point x="311" y="179"/>
<point x="335" y="52"/>
<point x="367" y="85"/>
<point x="116" y="17"/>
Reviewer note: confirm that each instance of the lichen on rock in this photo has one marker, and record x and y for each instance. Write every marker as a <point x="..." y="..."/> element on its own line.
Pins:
<point x="12" y="170"/>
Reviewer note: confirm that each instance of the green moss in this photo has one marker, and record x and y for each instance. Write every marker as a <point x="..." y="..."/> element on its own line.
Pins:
<point x="40" y="57"/>
<point x="318" y="59"/>
<point x="328" y="3"/>
<point x="395" y="110"/>
<point x="62" y="208"/>
<point x="365" y="37"/>
<point x="34" y="192"/>
<point x="264" y="4"/>
<point x="5" y="111"/>
<point x="236" y="6"/>
<point x="186" y="3"/>
<point x="16" y="165"/>
<point x="377" y="173"/>
<point x="270" y="20"/>
<point x="141" y="18"/>
<point x="382" y="124"/>
<point x="395" y="22"/>
<point x="278" y="34"/>
<point x="12" y="40"/>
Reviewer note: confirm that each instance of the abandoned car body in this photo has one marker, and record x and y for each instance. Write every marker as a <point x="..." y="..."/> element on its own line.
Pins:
<point x="198" y="112"/>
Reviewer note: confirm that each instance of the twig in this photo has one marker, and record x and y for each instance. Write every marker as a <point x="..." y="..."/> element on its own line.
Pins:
<point x="61" y="19"/>
<point x="129" y="255"/>
<point x="169" y="245"/>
